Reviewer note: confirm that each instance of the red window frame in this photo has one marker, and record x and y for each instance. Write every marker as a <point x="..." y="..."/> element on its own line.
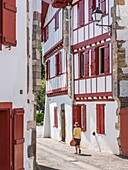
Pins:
<point x="56" y="20"/>
<point x="45" y="33"/>
<point x="103" y="6"/>
<point x="100" y="118"/>
<point x="91" y="8"/>
<point x="55" y="117"/>
<point x="48" y="70"/>
<point x="79" y="115"/>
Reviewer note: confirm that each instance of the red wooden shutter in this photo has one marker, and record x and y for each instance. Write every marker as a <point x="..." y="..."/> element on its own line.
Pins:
<point x="56" y="21"/>
<point x="81" y="12"/>
<point x="55" y="117"/>
<point x="100" y="119"/>
<point x="0" y="25"/>
<point x="86" y="63"/>
<point x="75" y="113"/>
<point x="79" y="115"/>
<point x="106" y="58"/>
<point x="91" y="8"/>
<point x="18" y="139"/>
<point x="47" y="69"/>
<point x="9" y="22"/>
<point x="60" y="62"/>
<point x="103" y="6"/>
<point x="94" y="66"/>
<point x="84" y="118"/>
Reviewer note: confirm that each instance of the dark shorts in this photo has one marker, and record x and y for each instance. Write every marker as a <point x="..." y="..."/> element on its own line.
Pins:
<point x="77" y="141"/>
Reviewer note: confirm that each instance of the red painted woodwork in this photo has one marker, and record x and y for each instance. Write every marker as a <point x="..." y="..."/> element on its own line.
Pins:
<point x="48" y="70"/>
<point x="92" y="7"/>
<point x="107" y="58"/>
<point x="94" y="62"/>
<point x="75" y="114"/>
<point x="57" y="92"/>
<point x="86" y="63"/>
<point x="60" y="63"/>
<point x="9" y="22"/>
<point x="84" y="117"/>
<point x="45" y="33"/>
<point x="103" y="6"/>
<point x="80" y="18"/>
<point x="18" y="139"/>
<point x="0" y="25"/>
<point x="6" y="136"/>
<point x="55" y="117"/>
<point x="60" y="3"/>
<point x="57" y="20"/>
<point x="100" y="119"/>
<point x="124" y="130"/>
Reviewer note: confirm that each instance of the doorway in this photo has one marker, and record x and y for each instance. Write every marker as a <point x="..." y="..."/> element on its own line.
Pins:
<point x="63" y="122"/>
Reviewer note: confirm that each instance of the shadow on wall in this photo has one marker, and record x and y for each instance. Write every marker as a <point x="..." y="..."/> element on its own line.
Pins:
<point x="41" y="167"/>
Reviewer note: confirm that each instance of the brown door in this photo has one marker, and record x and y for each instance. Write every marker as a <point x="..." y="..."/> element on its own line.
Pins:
<point x="124" y="131"/>
<point x="5" y="136"/>
<point x="63" y="125"/>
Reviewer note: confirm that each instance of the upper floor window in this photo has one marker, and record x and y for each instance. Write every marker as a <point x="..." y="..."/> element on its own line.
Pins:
<point x="103" y="6"/>
<point x="45" y="33"/>
<point x="91" y="8"/>
<point x="81" y="14"/>
<point x="82" y="65"/>
<point x="48" y="70"/>
<point x="100" y="60"/>
<point x="56" y="20"/>
<point x="8" y="15"/>
<point x="58" y="63"/>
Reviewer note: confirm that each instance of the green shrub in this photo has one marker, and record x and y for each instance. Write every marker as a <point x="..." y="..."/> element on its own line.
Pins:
<point x="39" y="118"/>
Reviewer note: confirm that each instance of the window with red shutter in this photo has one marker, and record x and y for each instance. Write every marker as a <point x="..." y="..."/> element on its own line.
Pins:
<point x="75" y="113"/>
<point x="58" y="63"/>
<point x="55" y="117"/>
<point x="106" y="58"/>
<point x="100" y="118"/>
<point x="81" y="64"/>
<point x="103" y="6"/>
<point x="48" y="70"/>
<point x="80" y="13"/>
<point x="45" y="33"/>
<point x="9" y="22"/>
<point x="86" y="63"/>
<point x="18" y="138"/>
<point x="83" y="118"/>
<point x="92" y="7"/>
<point x="94" y="62"/>
<point x="56" y="20"/>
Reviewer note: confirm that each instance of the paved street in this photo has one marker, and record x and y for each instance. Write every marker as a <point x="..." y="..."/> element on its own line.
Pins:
<point x="54" y="155"/>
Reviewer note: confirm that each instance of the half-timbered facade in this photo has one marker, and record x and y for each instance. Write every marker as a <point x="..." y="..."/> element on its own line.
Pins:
<point x="98" y="78"/>
<point x="18" y="22"/>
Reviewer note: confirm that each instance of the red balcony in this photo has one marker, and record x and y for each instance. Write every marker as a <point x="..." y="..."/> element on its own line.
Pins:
<point x="60" y="3"/>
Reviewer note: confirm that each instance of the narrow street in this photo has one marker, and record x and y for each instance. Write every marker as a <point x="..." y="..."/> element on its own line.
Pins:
<point x="54" y="155"/>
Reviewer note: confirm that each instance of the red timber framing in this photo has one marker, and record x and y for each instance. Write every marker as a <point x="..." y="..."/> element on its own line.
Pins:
<point x="57" y="92"/>
<point x="19" y="139"/>
<point x="60" y="3"/>
<point x="9" y="22"/>
<point x="0" y="25"/>
<point x="6" y="136"/>
<point x="79" y="115"/>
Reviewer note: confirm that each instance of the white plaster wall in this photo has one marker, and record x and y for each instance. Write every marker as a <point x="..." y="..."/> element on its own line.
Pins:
<point x="103" y="143"/>
<point x="13" y="71"/>
<point x="54" y="132"/>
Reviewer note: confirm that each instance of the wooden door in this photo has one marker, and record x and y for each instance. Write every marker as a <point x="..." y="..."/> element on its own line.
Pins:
<point x="124" y="131"/>
<point x="63" y="125"/>
<point x="19" y="139"/>
<point x="5" y="136"/>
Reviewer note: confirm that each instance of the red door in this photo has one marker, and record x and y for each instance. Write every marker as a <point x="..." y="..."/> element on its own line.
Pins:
<point x="5" y="136"/>
<point x="124" y="131"/>
<point x="19" y="139"/>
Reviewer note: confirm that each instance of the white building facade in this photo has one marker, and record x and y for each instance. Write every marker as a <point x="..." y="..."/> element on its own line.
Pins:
<point x="17" y="88"/>
<point x="88" y="60"/>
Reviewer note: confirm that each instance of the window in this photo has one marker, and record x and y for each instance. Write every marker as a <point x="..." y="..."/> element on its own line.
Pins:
<point x="79" y="115"/>
<point x="92" y="7"/>
<point x="100" y="63"/>
<point x="48" y="70"/>
<point x="55" y="117"/>
<point x="8" y="11"/>
<point x="82" y="64"/>
<point x="56" y="21"/>
<point x="58" y="63"/>
<point x="45" y="33"/>
<point x="103" y="6"/>
<point x="100" y="118"/>
<point x="80" y="15"/>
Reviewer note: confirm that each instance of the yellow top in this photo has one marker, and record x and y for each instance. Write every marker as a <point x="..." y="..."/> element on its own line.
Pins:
<point x="77" y="132"/>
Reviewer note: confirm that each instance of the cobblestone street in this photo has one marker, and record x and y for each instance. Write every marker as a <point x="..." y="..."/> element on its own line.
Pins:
<point x="56" y="155"/>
